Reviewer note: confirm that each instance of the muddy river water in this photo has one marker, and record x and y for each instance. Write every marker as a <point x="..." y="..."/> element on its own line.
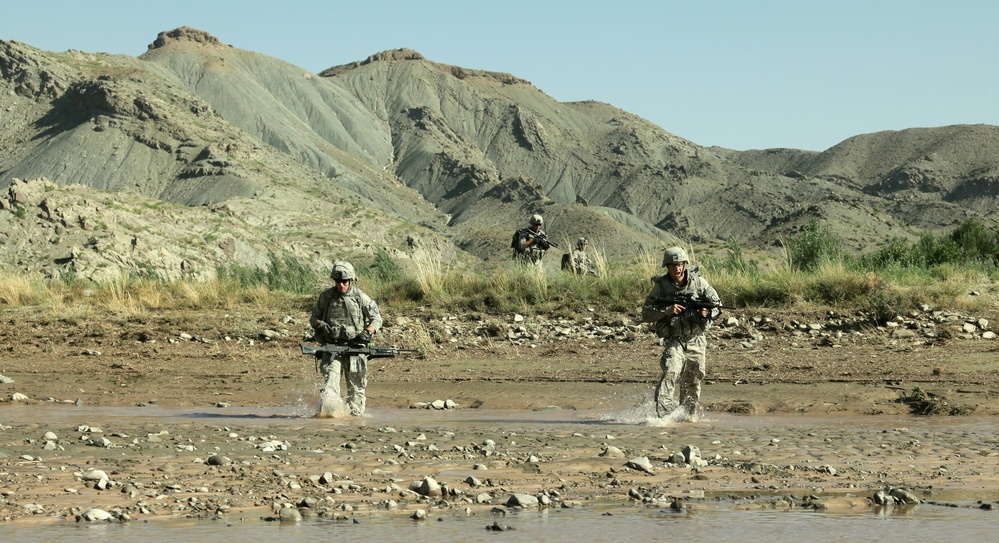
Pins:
<point x="953" y="514"/>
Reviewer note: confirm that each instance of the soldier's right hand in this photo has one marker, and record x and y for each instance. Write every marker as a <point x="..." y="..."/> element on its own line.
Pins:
<point x="324" y="330"/>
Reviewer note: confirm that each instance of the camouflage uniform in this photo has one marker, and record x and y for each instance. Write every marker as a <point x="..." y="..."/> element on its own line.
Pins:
<point x="348" y="316"/>
<point x="683" y="358"/>
<point x="581" y="261"/>
<point x="531" y="243"/>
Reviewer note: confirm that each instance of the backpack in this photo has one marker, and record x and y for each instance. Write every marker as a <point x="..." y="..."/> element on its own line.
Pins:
<point x="567" y="262"/>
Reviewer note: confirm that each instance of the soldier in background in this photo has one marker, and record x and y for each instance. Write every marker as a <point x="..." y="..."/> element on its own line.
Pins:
<point x="343" y="315"/>
<point x="529" y="244"/>
<point x="579" y="262"/>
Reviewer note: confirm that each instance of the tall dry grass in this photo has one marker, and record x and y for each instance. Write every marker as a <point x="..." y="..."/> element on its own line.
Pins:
<point x="508" y="288"/>
<point x="19" y="290"/>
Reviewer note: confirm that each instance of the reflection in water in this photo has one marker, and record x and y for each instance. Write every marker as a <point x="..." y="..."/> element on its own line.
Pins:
<point x="706" y="522"/>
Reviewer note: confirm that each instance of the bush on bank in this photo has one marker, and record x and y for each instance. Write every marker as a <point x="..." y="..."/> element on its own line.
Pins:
<point x="938" y="270"/>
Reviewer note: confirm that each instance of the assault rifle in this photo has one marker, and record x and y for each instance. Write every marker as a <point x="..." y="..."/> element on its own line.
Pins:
<point x="541" y="236"/>
<point x="689" y="305"/>
<point x="374" y="351"/>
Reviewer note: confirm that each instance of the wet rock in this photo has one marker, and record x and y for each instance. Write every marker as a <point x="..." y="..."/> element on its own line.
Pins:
<point x="902" y="495"/>
<point x="497" y="527"/>
<point x="640" y="463"/>
<point x="522" y="500"/>
<point x="289" y="514"/>
<point x="94" y="515"/>
<point x="894" y="496"/>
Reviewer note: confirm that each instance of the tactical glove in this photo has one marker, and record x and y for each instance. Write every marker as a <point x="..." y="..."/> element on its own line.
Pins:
<point x="364" y="337"/>
<point x="324" y="332"/>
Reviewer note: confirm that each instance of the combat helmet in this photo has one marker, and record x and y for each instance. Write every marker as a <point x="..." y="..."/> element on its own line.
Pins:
<point x="342" y="271"/>
<point x="580" y="243"/>
<point x="537" y="220"/>
<point x="674" y="255"/>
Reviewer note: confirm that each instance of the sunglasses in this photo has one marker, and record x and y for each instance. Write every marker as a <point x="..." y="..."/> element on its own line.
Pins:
<point x="342" y="281"/>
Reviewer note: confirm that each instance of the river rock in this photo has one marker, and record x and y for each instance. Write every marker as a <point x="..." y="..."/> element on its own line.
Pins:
<point x="692" y="455"/>
<point x="902" y="495"/>
<point x="218" y="460"/>
<point x="612" y="452"/>
<point x="427" y="487"/>
<point x="95" y="515"/>
<point x="641" y="463"/>
<point x="289" y="514"/>
<point x="522" y="500"/>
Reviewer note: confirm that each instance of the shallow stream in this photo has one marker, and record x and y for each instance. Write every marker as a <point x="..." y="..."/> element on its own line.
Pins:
<point x="710" y="520"/>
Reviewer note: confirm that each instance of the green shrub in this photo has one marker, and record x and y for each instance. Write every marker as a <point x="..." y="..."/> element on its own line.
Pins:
<point x="887" y="303"/>
<point x="384" y="268"/>
<point x="832" y="283"/>
<point x="977" y="242"/>
<point x="285" y="274"/>
<point x="814" y="246"/>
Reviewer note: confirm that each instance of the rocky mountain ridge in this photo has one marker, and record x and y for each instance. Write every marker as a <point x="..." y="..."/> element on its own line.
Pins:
<point x="367" y="155"/>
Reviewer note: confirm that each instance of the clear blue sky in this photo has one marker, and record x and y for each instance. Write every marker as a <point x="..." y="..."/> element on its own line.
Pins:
<point x="741" y="74"/>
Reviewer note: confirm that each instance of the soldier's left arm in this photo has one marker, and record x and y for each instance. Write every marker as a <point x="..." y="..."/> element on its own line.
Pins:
<point x="372" y="316"/>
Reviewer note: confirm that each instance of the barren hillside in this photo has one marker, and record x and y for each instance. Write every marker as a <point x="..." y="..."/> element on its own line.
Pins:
<point x="362" y="156"/>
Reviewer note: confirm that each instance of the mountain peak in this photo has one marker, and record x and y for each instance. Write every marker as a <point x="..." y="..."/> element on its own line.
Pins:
<point x="389" y="55"/>
<point x="183" y="34"/>
<point x="409" y="54"/>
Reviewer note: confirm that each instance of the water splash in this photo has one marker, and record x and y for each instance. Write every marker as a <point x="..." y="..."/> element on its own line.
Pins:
<point x="644" y="413"/>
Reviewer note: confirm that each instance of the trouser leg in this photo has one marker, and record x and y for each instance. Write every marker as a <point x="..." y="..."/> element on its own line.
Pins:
<point x="692" y="374"/>
<point x="329" y="397"/>
<point x="665" y="392"/>
<point x="357" y="381"/>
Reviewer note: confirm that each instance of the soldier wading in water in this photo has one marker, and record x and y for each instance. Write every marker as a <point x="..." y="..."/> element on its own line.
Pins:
<point x="343" y="315"/>
<point x="675" y="308"/>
